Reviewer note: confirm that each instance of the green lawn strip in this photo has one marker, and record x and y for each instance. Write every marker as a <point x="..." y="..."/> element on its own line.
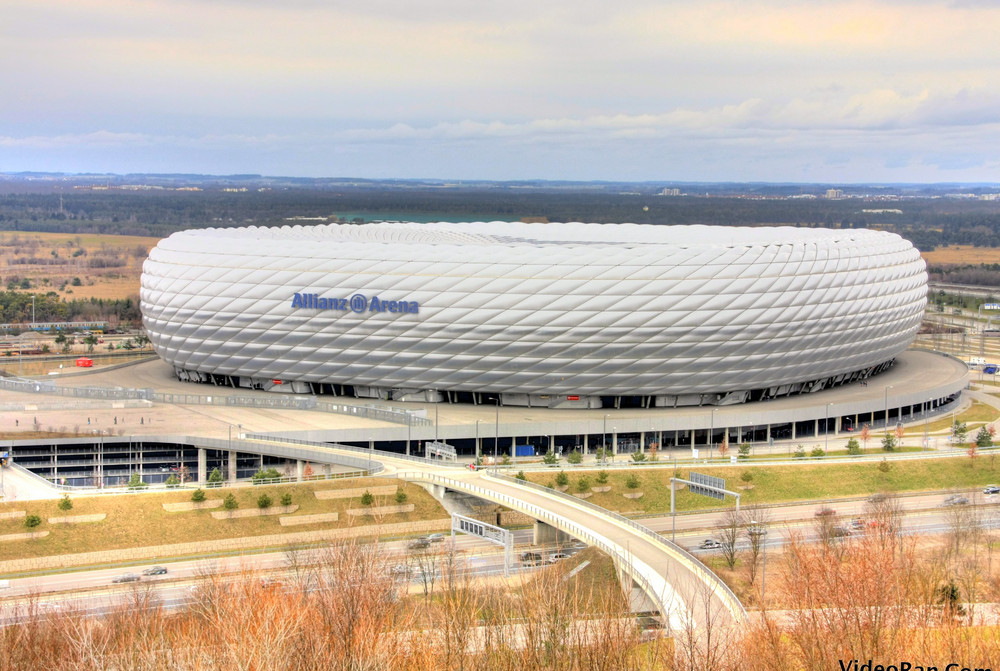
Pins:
<point x="979" y="413"/>
<point x="773" y="484"/>
<point x="137" y="520"/>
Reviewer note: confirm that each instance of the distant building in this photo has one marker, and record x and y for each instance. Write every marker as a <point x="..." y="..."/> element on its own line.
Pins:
<point x="670" y="192"/>
<point x="834" y="194"/>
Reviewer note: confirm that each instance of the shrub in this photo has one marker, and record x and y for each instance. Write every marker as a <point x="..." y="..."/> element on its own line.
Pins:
<point x="562" y="479"/>
<point x="889" y="442"/>
<point x="983" y="438"/>
<point x="521" y="476"/>
<point x="135" y="482"/>
<point x="173" y="481"/>
<point x="505" y="459"/>
<point x="800" y="452"/>
<point x="583" y="484"/>
<point x="286" y="499"/>
<point x="367" y="498"/>
<point x="638" y="457"/>
<point x="215" y="478"/>
<point x="401" y="497"/>
<point x="550" y="458"/>
<point x="884" y="466"/>
<point x="744" y="450"/>
<point x="602" y="477"/>
<point x="230" y="502"/>
<point x="266" y="475"/>
<point x="817" y="452"/>
<point x="853" y="447"/>
<point x="32" y="521"/>
<point x="65" y="503"/>
<point x="264" y="501"/>
<point x="574" y="457"/>
<point x="198" y="495"/>
<point x="632" y="481"/>
<point x="746" y="476"/>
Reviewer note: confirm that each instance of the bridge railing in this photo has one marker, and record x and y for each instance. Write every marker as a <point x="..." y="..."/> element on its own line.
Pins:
<point x="696" y="566"/>
<point x="270" y="438"/>
<point x="574" y="528"/>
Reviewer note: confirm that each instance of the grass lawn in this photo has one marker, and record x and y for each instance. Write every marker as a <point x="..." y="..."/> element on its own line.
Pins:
<point x="773" y="484"/>
<point x="978" y="413"/>
<point x="135" y="520"/>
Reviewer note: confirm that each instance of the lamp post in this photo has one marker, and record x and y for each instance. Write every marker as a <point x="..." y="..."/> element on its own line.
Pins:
<point x="371" y="452"/>
<point x="409" y="425"/>
<point x="826" y="425"/>
<point x="477" y="438"/>
<point x="927" y="412"/>
<point x="614" y="444"/>
<point x="711" y="434"/>
<point x="888" y="387"/>
<point x="604" y="440"/>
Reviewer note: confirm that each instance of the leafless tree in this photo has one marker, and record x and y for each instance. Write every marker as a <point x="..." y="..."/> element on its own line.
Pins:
<point x="728" y="532"/>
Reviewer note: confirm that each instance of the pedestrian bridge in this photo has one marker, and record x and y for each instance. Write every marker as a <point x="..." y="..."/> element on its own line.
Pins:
<point x="689" y="597"/>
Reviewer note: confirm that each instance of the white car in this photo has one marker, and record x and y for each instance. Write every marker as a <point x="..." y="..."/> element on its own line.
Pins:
<point x="557" y="556"/>
<point x="710" y="544"/>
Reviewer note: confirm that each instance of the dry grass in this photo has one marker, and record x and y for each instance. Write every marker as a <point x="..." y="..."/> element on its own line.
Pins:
<point x="137" y="520"/>
<point x="961" y="255"/>
<point x="109" y="283"/>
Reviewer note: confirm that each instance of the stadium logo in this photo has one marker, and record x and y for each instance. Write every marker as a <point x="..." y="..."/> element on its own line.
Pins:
<point x="358" y="303"/>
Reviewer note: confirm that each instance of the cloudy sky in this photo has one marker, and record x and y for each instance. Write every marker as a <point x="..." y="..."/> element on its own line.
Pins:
<point x="804" y="91"/>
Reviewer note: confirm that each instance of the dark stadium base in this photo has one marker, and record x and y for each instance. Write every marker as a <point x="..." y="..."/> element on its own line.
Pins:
<point x="553" y="401"/>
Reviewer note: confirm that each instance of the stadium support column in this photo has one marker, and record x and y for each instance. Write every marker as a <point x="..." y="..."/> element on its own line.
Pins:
<point x="614" y="442"/>
<point x="300" y="470"/>
<point x="586" y="443"/>
<point x="552" y="442"/>
<point x="201" y="475"/>
<point x="232" y="466"/>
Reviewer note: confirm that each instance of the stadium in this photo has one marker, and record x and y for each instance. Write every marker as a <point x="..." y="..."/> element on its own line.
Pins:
<point x="548" y="315"/>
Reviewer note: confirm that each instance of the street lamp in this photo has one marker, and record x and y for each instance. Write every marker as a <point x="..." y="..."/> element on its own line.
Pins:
<point x="711" y="434"/>
<point x="477" y="439"/>
<point x="371" y="452"/>
<point x="826" y="425"/>
<point x="887" y="407"/>
<point x="604" y="440"/>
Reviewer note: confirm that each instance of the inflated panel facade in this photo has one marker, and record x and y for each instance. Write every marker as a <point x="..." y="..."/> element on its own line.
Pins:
<point x="570" y="308"/>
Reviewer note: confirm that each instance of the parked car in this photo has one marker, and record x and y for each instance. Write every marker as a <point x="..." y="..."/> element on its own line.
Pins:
<point x="955" y="500"/>
<point x="710" y="544"/>
<point x="557" y="556"/>
<point x="127" y="577"/>
<point x="155" y="570"/>
<point x="991" y="489"/>
<point x="419" y="544"/>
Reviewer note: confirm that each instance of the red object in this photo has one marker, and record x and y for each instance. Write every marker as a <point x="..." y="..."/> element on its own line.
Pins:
<point x="276" y="381"/>
<point x="572" y="398"/>
<point x="84" y="362"/>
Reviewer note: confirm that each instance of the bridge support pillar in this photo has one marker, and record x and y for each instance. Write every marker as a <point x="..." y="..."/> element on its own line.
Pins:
<point x="232" y="466"/>
<point x="437" y="491"/>
<point x="201" y="476"/>
<point x="545" y="534"/>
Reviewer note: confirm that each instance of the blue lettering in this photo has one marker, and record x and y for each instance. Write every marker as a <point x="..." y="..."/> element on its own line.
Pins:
<point x="391" y="305"/>
<point x="297" y="301"/>
<point x="322" y="304"/>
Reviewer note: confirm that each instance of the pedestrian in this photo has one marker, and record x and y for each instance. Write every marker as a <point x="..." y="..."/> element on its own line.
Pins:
<point x="16" y="422"/>
<point x="142" y="420"/>
<point x="88" y="421"/>
<point x="116" y="419"/>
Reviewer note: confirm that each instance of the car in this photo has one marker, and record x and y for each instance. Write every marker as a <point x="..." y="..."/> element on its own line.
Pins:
<point x="857" y="523"/>
<point x="557" y="556"/>
<point x="530" y="558"/>
<point x="436" y="538"/>
<point x="991" y="489"/>
<point x="127" y="577"/>
<point x="401" y="570"/>
<point x="840" y="532"/>
<point x="955" y="500"/>
<point x="419" y="544"/>
<point x="825" y="511"/>
<point x="709" y="544"/>
<point x="155" y="570"/>
<point x="755" y="529"/>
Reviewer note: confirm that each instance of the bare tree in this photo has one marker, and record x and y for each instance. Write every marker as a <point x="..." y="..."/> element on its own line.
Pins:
<point x="754" y="522"/>
<point x="728" y="531"/>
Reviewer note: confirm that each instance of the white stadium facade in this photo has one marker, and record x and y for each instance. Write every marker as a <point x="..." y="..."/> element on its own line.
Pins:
<point x="553" y="315"/>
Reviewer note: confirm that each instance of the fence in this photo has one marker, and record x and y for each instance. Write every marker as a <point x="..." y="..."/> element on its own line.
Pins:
<point x="375" y="454"/>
